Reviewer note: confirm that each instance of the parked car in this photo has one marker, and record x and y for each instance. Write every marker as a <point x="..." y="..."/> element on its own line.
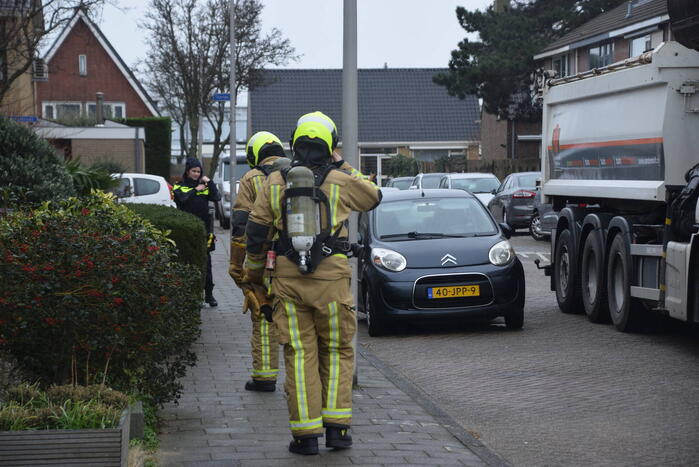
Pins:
<point x="436" y="254"/>
<point x="480" y="184"/>
<point x="402" y="183"/>
<point x="513" y="201"/>
<point x="222" y="178"/>
<point x="143" y="188"/>
<point x="422" y="181"/>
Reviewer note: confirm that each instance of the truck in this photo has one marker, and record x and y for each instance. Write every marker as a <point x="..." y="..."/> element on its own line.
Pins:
<point x="620" y="162"/>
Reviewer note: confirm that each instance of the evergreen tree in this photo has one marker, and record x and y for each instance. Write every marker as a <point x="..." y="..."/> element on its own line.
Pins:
<point x="499" y="66"/>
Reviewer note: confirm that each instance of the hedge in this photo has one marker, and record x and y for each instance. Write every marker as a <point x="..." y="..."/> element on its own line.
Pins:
<point x="186" y="230"/>
<point x="158" y="142"/>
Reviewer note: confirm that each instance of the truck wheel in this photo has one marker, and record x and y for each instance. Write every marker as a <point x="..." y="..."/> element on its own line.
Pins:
<point x="565" y="275"/>
<point x="625" y="312"/>
<point x="514" y="319"/>
<point x="376" y="324"/>
<point x="592" y="280"/>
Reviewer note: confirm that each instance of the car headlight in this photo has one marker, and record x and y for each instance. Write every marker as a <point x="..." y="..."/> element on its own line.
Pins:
<point x="388" y="259"/>
<point x="501" y="253"/>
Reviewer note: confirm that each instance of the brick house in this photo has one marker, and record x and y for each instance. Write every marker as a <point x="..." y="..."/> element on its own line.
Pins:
<point x="79" y="64"/>
<point x="19" y="100"/>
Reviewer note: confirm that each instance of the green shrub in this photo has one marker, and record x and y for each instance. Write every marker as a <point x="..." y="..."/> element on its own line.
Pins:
<point x="185" y="229"/>
<point x="403" y="166"/>
<point x="158" y="142"/>
<point x="30" y="171"/>
<point x="86" y="179"/>
<point x="61" y="407"/>
<point x="109" y="303"/>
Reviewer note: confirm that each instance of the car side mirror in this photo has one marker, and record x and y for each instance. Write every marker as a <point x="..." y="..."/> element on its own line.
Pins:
<point x="493" y="191"/>
<point x="506" y="230"/>
<point x="125" y="193"/>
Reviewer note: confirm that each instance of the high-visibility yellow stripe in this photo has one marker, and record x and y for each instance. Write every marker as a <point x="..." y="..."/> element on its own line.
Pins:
<point x="252" y="264"/>
<point x="299" y="354"/>
<point x="264" y="344"/>
<point x="265" y="372"/>
<point x="276" y="208"/>
<point x="257" y="183"/>
<point x="334" y="199"/>
<point x="333" y="355"/>
<point x="336" y="412"/>
<point x="306" y="423"/>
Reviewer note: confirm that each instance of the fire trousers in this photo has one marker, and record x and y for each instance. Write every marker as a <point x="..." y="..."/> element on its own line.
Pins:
<point x="265" y="349"/>
<point x="316" y="323"/>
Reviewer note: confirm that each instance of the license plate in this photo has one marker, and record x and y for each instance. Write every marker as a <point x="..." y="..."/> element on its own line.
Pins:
<point x="454" y="291"/>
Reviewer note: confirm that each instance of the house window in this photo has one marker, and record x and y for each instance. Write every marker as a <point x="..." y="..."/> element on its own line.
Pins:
<point x="111" y="109"/>
<point x="639" y="45"/>
<point x="82" y="65"/>
<point x="601" y="55"/>
<point x="61" y="110"/>
<point x="561" y="64"/>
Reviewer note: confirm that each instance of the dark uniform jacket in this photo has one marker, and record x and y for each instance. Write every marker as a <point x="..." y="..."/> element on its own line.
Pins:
<point x="188" y="199"/>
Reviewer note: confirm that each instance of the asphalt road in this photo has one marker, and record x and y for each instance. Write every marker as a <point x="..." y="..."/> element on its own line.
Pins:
<point x="562" y="391"/>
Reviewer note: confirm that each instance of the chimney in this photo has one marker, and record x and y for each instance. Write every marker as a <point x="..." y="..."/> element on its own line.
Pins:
<point x="501" y="5"/>
<point x="99" y="110"/>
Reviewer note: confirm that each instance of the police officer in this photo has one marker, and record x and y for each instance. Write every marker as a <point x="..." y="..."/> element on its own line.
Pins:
<point x="313" y="305"/>
<point x="192" y="195"/>
<point x="263" y="151"/>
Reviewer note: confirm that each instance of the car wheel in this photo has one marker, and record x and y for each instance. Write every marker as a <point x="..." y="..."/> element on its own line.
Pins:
<point x="593" y="280"/>
<point x="376" y="324"/>
<point x="625" y="312"/>
<point x="535" y="228"/>
<point x="565" y="275"/>
<point x="515" y="319"/>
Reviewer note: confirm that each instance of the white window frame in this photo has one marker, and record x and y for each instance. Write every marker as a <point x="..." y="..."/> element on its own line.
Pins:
<point x="649" y="42"/>
<point x="82" y="65"/>
<point x="111" y="104"/>
<point x="565" y="59"/>
<point x="55" y="104"/>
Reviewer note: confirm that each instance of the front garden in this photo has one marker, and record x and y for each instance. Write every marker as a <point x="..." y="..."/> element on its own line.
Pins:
<point x="97" y="300"/>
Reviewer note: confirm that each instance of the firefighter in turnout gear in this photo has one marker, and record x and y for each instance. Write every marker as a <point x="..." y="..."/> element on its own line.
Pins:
<point x="306" y="209"/>
<point x="192" y="195"/>
<point x="264" y="153"/>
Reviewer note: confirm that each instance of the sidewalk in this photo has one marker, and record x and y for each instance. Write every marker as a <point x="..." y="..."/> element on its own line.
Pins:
<point x="218" y="423"/>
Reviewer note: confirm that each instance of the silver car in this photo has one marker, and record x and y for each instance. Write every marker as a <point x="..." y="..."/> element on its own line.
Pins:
<point x="480" y="184"/>
<point x="513" y="201"/>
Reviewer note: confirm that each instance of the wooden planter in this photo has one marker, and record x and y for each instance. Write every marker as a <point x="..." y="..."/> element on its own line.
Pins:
<point x="108" y="447"/>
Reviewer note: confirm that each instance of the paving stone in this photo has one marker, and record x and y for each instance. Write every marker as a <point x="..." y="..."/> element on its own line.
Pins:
<point x="218" y="423"/>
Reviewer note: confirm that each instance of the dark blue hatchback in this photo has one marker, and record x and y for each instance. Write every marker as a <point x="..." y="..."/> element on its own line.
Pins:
<point x="436" y="254"/>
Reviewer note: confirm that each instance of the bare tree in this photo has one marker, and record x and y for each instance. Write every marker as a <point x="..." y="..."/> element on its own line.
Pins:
<point x="188" y="60"/>
<point x="24" y="26"/>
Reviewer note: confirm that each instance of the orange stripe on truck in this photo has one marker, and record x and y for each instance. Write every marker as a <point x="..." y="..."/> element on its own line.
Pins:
<point x="602" y="144"/>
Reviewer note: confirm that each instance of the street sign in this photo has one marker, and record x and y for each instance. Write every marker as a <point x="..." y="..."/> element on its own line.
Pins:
<point x="222" y="97"/>
<point x="25" y="119"/>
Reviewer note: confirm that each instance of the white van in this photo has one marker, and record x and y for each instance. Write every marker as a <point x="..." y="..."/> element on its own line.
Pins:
<point x="143" y="188"/>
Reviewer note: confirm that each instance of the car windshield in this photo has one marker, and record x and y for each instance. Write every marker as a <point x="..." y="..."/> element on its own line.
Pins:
<point x="431" y="181"/>
<point x="476" y="185"/>
<point x="401" y="184"/>
<point x="528" y="181"/>
<point x="432" y="218"/>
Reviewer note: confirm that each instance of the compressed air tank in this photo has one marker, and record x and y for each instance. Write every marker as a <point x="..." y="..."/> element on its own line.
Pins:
<point x="301" y="214"/>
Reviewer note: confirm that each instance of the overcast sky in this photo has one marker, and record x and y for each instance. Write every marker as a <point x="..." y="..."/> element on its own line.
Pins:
<point x="400" y="33"/>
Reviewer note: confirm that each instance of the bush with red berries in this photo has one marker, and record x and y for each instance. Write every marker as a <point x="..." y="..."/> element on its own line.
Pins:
<point x="93" y="293"/>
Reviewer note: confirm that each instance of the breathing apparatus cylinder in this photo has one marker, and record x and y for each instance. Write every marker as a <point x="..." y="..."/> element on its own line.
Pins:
<point x="301" y="214"/>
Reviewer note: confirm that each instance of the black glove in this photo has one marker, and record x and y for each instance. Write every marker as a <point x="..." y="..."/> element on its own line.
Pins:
<point x="267" y="311"/>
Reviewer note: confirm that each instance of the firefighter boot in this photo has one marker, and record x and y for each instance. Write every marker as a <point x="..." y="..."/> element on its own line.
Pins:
<point x="261" y="386"/>
<point x="210" y="300"/>
<point x="305" y="446"/>
<point x="337" y="437"/>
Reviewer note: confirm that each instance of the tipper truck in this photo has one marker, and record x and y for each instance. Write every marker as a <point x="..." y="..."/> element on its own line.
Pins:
<point x="620" y="161"/>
